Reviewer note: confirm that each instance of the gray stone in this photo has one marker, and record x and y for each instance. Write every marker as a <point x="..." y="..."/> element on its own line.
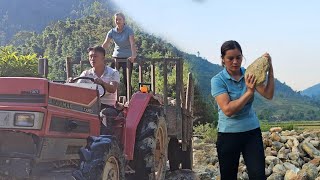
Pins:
<point x="275" y="129"/>
<point x="210" y="169"/>
<point x="300" y="138"/>
<point x="315" y="161"/>
<point x="311" y="170"/>
<point x="242" y="168"/>
<point x="184" y="174"/>
<point x="301" y="162"/>
<point x="315" y="143"/>
<point x="293" y="156"/>
<point x="275" y="136"/>
<point x="241" y="160"/>
<point x="306" y="159"/>
<point x="289" y="143"/>
<point x="306" y="134"/>
<point x="291" y="167"/>
<point x="282" y="153"/>
<point x="208" y="147"/>
<point x="275" y="176"/>
<point x="295" y="142"/>
<point x="302" y="175"/>
<point x="243" y="176"/>
<point x="267" y="151"/>
<point x="310" y="149"/>
<point x="268" y="171"/>
<point x="259" y="69"/>
<point x="265" y="134"/>
<point x="296" y="163"/>
<point x="280" y="169"/>
<point x="267" y="142"/>
<point x="272" y="160"/>
<point x="290" y="175"/>
<point x="274" y="153"/>
<point x="196" y="140"/>
<point x="277" y="145"/>
<point x="283" y="139"/>
<point x="288" y="133"/>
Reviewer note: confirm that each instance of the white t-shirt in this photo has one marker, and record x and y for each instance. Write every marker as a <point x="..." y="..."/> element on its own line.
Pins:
<point x="109" y="75"/>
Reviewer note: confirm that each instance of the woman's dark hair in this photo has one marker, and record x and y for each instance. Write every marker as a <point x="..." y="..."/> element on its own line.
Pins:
<point x="97" y="49"/>
<point x="229" y="45"/>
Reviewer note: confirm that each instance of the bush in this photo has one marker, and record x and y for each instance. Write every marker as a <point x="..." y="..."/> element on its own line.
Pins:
<point x="206" y="132"/>
<point x="12" y="64"/>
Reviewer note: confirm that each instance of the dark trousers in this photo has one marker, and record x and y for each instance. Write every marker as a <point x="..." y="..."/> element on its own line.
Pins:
<point x="108" y="113"/>
<point x="123" y="65"/>
<point x="229" y="147"/>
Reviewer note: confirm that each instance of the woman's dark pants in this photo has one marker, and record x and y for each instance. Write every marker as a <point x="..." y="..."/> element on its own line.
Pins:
<point x="229" y="147"/>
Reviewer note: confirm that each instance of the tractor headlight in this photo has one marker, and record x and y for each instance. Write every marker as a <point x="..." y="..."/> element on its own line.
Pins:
<point x="24" y="119"/>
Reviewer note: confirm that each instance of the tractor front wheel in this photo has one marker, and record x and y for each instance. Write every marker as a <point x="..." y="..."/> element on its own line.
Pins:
<point x="150" y="156"/>
<point x="114" y="164"/>
<point x="101" y="159"/>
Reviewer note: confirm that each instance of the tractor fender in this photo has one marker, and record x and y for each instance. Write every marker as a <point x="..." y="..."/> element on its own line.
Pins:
<point x="137" y="106"/>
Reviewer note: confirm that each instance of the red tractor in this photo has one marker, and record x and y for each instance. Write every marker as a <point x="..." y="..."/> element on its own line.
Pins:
<point x="45" y="124"/>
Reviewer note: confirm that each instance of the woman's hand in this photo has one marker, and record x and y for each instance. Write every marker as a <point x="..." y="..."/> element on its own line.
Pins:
<point x="132" y="59"/>
<point x="250" y="83"/>
<point x="267" y="90"/>
<point x="267" y="55"/>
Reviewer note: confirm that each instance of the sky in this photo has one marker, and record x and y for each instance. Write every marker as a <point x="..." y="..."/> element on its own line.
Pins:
<point x="288" y="30"/>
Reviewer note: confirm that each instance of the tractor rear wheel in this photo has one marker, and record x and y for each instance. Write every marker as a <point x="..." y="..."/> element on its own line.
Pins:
<point x="150" y="156"/>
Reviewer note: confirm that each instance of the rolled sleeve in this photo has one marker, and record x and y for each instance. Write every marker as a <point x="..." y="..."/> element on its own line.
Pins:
<point x="116" y="77"/>
<point x="109" y="35"/>
<point x="130" y="31"/>
<point x="217" y="87"/>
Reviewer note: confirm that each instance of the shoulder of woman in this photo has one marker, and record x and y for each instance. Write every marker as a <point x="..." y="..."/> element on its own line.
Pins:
<point x="218" y="76"/>
<point x="129" y="29"/>
<point x="111" y="30"/>
<point x="243" y="69"/>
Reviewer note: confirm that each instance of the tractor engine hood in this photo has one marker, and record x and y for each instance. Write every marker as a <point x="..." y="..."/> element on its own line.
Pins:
<point x="25" y="91"/>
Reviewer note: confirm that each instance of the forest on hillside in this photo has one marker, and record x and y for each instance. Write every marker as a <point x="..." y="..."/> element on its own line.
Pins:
<point x="86" y="23"/>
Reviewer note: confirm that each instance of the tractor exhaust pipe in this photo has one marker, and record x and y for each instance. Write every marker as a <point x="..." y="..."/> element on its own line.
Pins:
<point x="43" y="67"/>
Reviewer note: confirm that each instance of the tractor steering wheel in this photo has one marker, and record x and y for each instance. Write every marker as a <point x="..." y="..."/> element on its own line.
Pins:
<point x="91" y="79"/>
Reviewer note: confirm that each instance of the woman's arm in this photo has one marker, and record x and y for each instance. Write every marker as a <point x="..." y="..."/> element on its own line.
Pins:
<point x="229" y="107"/>
<point x="106" y="43"/>
<point x="267" y="90"/>
<point x="133" y="48"/>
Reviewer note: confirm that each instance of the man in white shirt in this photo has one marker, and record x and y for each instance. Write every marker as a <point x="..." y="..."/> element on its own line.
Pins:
<point x="105" y="76"/>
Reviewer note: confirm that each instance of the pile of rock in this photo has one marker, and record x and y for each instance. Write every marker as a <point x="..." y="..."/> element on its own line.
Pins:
<point x="289" y="155"/>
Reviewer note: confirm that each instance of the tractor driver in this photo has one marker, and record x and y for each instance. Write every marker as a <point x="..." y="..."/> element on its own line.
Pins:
<point x="107" y="77"/>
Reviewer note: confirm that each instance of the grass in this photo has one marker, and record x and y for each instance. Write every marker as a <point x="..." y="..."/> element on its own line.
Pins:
<point x="209" y="133"/>
<point x="291" y="125"/>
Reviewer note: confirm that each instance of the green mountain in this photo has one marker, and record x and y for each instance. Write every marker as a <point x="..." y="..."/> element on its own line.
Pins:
<point x="35" y="15"/>
<point x="85" y="23"/>
<point x="313" y="92"/>
<point x="287" y="104"/>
